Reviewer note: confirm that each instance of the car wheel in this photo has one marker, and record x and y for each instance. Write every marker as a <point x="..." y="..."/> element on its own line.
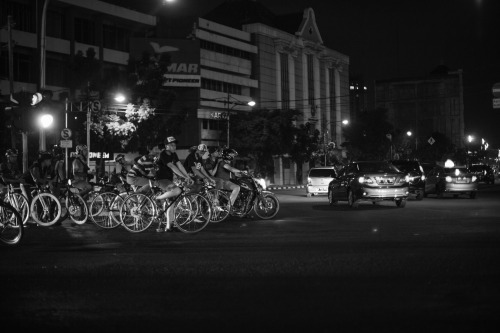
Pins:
<point x="331" y="200"/>
<point x="472" y="195"/>
<point x="351" y="199"/>
<point x="401" y="203"/>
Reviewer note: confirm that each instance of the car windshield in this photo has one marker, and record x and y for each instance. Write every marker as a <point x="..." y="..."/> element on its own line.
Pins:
<point x="376" y="167"/>
<point x="456" y="171"/>
<point x="406" y="166"/>
<point x="322" y="173"/>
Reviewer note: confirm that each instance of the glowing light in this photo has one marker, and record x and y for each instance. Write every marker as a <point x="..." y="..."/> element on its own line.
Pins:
<point x="449" y="164"/>
<point x="46" y="120"/>
<point x="120" y="98"/>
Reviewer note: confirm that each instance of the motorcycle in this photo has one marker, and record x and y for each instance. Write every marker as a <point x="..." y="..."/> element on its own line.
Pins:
<point x="265" y="204"/>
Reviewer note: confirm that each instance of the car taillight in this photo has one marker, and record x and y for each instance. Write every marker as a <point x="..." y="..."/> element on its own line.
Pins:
<point x="448" y="179"/>
<point x="309" y="181"/>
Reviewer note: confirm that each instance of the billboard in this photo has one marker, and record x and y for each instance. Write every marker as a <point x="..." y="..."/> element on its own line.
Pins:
<point x="181" y="55"/>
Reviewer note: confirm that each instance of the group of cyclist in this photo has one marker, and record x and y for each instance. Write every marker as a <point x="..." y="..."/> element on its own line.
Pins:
<point x="161" y="163"/>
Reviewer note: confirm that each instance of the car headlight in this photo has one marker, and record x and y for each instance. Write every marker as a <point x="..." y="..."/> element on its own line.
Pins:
<point x="365" y="180"/>
<point x="474" y="178"/>
<point x="448" y="179"/>
<point x="423" y="177"/>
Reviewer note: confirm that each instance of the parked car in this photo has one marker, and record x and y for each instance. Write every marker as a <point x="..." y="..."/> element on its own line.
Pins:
<point x="369" y="181"/>
<point x="415" y="171"/>
<point x="451" y="179"/>
<point x="318" y="180"/>
<point x="484" y="173"/>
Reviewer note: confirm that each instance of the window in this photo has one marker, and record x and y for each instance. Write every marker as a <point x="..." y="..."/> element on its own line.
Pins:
<point x="310" y="79"/>
<point x="24" y="68"/>
<point x="220" y="86"/>
<point x="333" y="97"/>
<point x="23" y="15"/>
<point x="84" y="31"/>
<point x="115" y="37"/>
<point x="210" y="46"/>
<point x="56" y="69"/>
<point x="55" y="25"/>
<point x="285" y="85"/>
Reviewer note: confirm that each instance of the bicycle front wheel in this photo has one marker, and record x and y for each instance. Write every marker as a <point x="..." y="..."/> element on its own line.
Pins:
<point x="192" y="213"/>
<point x="105" y="210"/>
<point x="77" y="208"/>
<point x="45" y="209"/>
<point x="20" y="203"/>
<point x="137" y="212"/>
<point x="11" y="224"/>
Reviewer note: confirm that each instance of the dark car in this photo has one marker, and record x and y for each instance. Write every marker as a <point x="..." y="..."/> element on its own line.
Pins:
<point x="415" y="171"/>
<point x="484" y="173"/>
<point x="451" y="179"/>
<point x="369" y="181"/>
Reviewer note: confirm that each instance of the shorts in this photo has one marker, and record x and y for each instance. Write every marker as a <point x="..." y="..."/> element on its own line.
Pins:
<point x="223" y="184"/>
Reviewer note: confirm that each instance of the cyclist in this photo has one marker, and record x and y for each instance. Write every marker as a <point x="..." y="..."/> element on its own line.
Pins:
<point x="213" y="160"/>
<point x="40" y="172"/>
<point x="170" y="165"/>
<point x="58" y="167"/>
<point x="195" y="166"/>
<point x="223" y="174"/>
<point x="143" y="170"/>
<point x="80" y="170"/>
<point x="125" y="165"/>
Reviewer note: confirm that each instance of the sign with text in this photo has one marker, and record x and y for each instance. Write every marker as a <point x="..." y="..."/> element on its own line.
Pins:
<point x="66" y="143"/>
<point x="180" y="59"/>
<point x="98" y="155"/>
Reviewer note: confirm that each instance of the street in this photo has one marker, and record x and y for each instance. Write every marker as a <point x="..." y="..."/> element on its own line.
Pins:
<point x="432" y="265"/>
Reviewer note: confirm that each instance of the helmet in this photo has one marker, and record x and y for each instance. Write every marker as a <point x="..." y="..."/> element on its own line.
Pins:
<point x="229" y="154"/>
<point x="11" y="152"/>
<point x="119" y="158"/>
<point x="57" y="151"/>
<point x="80" y="148"/>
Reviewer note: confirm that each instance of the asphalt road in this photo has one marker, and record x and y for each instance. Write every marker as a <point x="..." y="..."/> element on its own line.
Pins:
<point x="433" y="266"/>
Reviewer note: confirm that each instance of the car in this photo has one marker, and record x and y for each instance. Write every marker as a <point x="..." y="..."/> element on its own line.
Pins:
<point x="369" y="181"/>
<point x="417" y="177"/>
<point x="451" y="179"/>
<point x="318" y="179"/>
<point x="484" y="173"/>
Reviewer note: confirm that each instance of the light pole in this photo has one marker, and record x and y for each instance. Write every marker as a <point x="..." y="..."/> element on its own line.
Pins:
<point x="470" y="138"/>
<point x="234" y="103"/>
<point x="44" y="121"/>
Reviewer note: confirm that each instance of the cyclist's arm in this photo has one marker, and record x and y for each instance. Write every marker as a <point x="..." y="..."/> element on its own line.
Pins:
<point x="231" y="169"/>
<point x="178" y="169"/>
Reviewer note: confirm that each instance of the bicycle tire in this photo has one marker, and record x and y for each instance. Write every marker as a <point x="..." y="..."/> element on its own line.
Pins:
<point x="77" y="208"/>
<point x="11" y="224"/>
<point x="137" y="212"/>
<point x="105" y="210"/>
<point x="199" y="217"/>
<point x="21" y="204"/>
<point x="221" y="205"/>
<point x="45" y="209"/>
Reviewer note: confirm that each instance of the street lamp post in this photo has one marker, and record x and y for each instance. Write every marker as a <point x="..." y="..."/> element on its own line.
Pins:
<point x="234" y="103"/>
<point x="470" y="138"/>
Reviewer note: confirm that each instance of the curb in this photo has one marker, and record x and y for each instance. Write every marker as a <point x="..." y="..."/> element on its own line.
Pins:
<point x="284" y="187"/>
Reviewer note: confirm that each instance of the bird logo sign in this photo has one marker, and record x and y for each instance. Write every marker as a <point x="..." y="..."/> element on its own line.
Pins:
<point x="162" y="49"/>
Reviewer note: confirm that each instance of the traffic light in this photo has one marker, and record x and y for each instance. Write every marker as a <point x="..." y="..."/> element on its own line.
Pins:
<point x="20" y="110"/>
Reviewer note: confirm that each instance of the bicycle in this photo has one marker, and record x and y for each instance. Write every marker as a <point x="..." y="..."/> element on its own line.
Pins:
<point x="45" y="207"/>
<point x="221" y="204"/>
<point x="74" y="204"/>
<point x="17" y="200"/>
<point x="105" y="207"/>
<point x="192" y="212"/>
<point x="11" y="224"/>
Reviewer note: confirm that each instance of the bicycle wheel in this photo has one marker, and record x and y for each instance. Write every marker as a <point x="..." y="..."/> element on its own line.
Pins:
<point x="198" y="217"/>
<point x="221" y="205"/>
<point x="21" y="204"/>
<point x="11" y="224"/>
<point x="105" y="210"/>
<point x="45" y="209"/>
<point x="137" y="212"/>
<point x="77" y="208"/>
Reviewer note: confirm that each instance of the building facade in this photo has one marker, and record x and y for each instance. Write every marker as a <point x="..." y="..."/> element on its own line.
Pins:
<point x="425" y="105"/>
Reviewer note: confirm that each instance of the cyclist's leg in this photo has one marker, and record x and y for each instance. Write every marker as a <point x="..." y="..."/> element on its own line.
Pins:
<point x="141" y="182"/>
<point x="235" y="190"/>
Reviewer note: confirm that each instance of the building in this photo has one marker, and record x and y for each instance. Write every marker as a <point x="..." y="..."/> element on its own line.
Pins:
<point x="425" y="105"/>
<point x="293" y="69"/>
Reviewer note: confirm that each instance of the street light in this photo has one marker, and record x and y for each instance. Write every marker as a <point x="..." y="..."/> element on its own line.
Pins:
<point x="45" y="121"/>
<point x="325" y="136"/>
<point x="235" y="102"/>
<point x="470" y="138"/>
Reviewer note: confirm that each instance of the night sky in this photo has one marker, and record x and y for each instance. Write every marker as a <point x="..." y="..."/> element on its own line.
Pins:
<point x="388" y="39"/>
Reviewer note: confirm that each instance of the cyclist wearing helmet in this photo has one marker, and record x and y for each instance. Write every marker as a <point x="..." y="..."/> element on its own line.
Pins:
<point x="223" y="174"/>
<point x="80" y="170"/>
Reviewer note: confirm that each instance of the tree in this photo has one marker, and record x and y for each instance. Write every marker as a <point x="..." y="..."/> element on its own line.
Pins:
<point x="303" y="147"/>
<point x="367" y="137"/>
